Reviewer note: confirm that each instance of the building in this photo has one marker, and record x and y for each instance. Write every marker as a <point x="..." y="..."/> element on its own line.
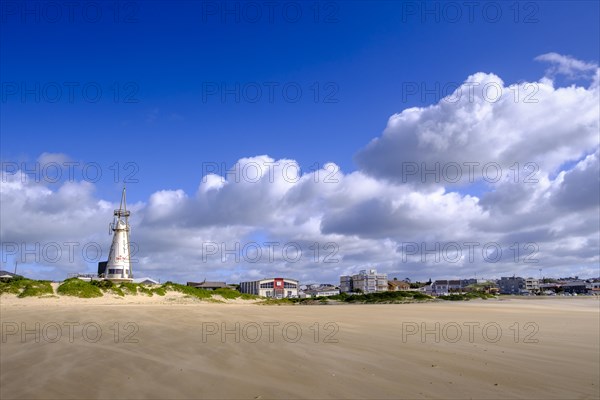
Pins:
<point x="549" y="288"/>
<point x="6" y="276"/>
<point x="396" y="285"/>
<point x="208" y="285"/>
<point x="593" y="288"/>
<point x="532" y="285"/>
<point x="442" y="287"/>
<point x="346" y="284"/>
<point x="118" y="266"/>
<point x="322" y="291"/>
<point x="511" y="285"/>
<point x="574" y="287"/>
<point x="278" y="288"/>
<point x="83" y="277"/>
<point x="364" y="282"/>
<point x="447" y="286"/>
<point x="146" y="281"/>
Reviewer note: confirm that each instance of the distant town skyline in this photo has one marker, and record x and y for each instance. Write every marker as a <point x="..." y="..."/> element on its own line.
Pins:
<point x="347" y="136"/>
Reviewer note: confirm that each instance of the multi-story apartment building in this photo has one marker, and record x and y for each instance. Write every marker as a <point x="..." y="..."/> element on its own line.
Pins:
<point x="511" y="285"/>
<point x="346" y="284"/>
<point x="364" y="282"/>
<point x="532" y="285"/>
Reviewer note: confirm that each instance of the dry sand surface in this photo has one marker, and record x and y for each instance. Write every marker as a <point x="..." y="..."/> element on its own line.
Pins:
<point x="547" y="349"/>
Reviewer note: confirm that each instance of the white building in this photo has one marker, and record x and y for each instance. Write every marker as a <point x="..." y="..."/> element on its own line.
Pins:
<point x="118" y="266"/>
<point x="532" y="285"/>
<point x="278" y="288"/>
<point x="364" y="282"/>
<point x="322" y="292"/>
<point x="146" y="281"/>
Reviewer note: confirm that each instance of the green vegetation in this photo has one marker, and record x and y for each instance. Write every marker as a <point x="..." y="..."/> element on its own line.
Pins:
<point x="116" y="290"/>
<point x="382" y="297"/>
<point x="466" y="296"/>
<point x="211" y="300"/>
<point x="23" y="287"/>
<point x="79" y="288"/>
<point x="26" y="287"/>
<point x="108" y="286"/>
<point x="309" y="300"/>
<point x="234" y="294"/>
<point x="370" y="298"/>
<point x="103" y="284"/>
<point x="36" y="288"/>
<point x="96" y="288"/>
<point x="277" y="302"/>
<point x="129" y="288"/>
<point x="189" y="290"/>
<point x="159" y="291"/>
<point x="13" y="286"/>
<point x="145" y="290"/>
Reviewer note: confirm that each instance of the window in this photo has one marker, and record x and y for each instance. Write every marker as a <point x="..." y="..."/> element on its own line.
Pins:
<point x="115" y="271"/>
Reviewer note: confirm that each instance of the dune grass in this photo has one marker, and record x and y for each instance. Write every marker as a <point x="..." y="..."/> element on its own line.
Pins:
<point x="382" y="297"/>
<point x="36" y="289"/>
<point x="78" y="288"/>
<point x="231" y="294"/>
<point x="13" y="286"/>
<point x="466" y="296"/>
<point x="23" y="287"/>
<point x="188" y="290"/>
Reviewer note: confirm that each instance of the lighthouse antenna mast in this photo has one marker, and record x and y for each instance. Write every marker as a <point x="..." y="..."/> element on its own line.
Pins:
<point x="121" y="213"/>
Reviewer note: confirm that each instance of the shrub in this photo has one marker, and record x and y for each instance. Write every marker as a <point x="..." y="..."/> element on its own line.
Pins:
<point x="277" y="302"/>
<point x="36" y="288"/>
<point x="381" y="297"/>
<point x="227" y="293"/>
<point x="466" y="296"/>
<point x="188" y="290"/>
<point x="79" y="288"/>
<point x="117" y="290"/>
<point x="145" y="290"/>
<point x="103" y="284"/>
<point x="129" y="288"/>
<point x="159" y="291"/>
<point x="421" y="296"/>
<point x="14" y="285"/>
<point x="234" y="294"/>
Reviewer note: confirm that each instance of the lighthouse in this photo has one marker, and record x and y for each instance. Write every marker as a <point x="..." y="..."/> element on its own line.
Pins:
<point x="118" y="266"/>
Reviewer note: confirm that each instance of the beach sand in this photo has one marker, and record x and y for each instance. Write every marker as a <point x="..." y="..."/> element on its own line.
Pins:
<point x="174" y="348"/>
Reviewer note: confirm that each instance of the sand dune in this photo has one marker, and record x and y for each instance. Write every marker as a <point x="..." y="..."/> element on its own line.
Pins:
<point x="547" y="348"/>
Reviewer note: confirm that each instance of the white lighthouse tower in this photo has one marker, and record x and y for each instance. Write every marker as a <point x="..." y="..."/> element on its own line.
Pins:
<point x="118" y="266"/>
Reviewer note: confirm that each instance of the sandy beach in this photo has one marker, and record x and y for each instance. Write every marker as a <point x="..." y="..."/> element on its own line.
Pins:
<point x="152" y="348"/>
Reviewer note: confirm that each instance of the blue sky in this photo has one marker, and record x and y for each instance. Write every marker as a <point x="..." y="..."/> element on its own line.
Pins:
<point x="173" y="59"/>
<point x="368" y="51"/>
